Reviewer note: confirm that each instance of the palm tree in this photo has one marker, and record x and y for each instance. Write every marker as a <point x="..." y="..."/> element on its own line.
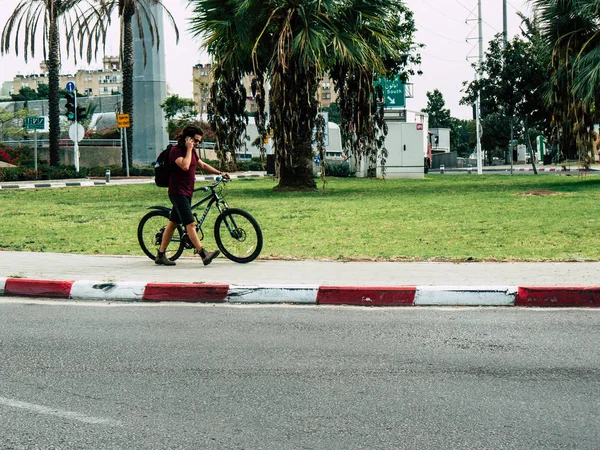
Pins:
<point x="128" y="12"/>
<point x="570" y="30"/>
<point x="26" y="18"/>
<point x="291" y="44"/>
<point x="385" y="47"/>
<point x="586" y="84"/>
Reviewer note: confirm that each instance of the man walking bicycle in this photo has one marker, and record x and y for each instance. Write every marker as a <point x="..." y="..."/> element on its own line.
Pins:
<point x="183" y="160"/>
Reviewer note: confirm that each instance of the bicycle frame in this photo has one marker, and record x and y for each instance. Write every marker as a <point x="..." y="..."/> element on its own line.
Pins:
<point x="212" y="198"/>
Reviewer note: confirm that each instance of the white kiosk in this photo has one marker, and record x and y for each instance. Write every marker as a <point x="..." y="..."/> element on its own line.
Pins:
<point x="406" y="144"/>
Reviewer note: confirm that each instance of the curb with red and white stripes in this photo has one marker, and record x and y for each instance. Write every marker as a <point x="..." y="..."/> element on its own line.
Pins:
<point x="115" y="182"/>
<point x="127" y="291"/>
<point x="540" y="169"/>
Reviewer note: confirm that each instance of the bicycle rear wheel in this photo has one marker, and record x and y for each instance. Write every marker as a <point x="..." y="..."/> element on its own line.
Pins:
<point x="150" y="233"/>
<point x="238" y="235"/>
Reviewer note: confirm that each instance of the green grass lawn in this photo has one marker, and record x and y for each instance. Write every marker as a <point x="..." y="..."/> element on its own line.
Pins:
<point x="450" y="218"/>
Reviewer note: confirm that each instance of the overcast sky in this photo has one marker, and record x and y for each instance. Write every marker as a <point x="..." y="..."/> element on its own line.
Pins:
<point x="441" y="25"/>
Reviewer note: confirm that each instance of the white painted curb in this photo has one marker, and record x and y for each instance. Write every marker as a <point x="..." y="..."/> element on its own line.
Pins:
<point x="266" y="293"/>
<point x="465" y="295"/>
<point x="121" y="291"/>
<point x="2" y="284"/>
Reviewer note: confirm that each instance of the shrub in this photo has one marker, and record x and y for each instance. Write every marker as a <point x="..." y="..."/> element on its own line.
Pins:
<point x="26" y="173"/>
<point x="9" y="174"/>
<point x="145" y="171"/>
<point x="338" y="169"/>
<point x="4" y="156"/>
<point x="118" y="171"/>
<point x="61" y="172"/>
<point x="105" y="133"/>
<point x="21" y="155"/>
<point x="255" y="164"/>
<point x="46" y="172"/>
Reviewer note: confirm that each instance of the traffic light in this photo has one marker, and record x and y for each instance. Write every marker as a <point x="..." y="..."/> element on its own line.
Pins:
<point x="81" y="113"/>
<point x="71" y="113"/>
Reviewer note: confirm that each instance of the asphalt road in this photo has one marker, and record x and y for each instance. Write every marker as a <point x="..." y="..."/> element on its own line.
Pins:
<point x="281" y="377"/>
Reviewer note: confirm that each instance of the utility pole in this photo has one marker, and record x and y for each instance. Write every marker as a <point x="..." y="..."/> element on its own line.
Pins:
<point x="512" y="130"/>
<point x="504" y="22"/>
<point x="478" y="104"/>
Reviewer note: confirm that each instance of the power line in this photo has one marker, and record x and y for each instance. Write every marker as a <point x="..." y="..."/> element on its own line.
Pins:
<point x="471" y="12"/>
<point x="443" y="59"/>
<point x="513" y="6"/>
<point x="442" y="12"/>
<point x="440" y="35"/>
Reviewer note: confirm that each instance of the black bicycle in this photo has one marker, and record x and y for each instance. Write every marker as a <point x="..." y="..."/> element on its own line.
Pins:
<point x="237" y="233"/>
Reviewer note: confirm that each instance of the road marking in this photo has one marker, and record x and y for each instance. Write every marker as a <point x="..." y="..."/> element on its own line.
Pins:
<point x="109" y="291"/>
<point x="465" y="295"/>
<point x="272" y="293"/>
<point x="58" y="412"/>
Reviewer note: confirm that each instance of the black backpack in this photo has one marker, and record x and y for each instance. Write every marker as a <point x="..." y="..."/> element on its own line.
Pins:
<point x="162" y="168"/>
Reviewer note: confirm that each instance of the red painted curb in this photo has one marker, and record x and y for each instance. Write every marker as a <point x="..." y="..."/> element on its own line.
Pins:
<point x="185" y="292"/>
<point x="366" y="296"/>
<point x="558" y="296"/>
<point x="38" y="288"/>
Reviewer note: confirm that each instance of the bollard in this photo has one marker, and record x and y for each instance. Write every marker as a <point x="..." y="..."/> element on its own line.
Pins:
<point x="442" y="167"/>
<point x="107" y="174"/>
<point x="469" y="169"/>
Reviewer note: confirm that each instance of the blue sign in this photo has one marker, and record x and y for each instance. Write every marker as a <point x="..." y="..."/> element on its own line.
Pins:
<point x="70" y="86"/>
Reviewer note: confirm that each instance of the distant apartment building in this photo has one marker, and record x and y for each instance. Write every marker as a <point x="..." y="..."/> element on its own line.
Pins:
<point x="327" y="94"/>
<point x="104" y="81"/>
<point x="202" y="80"/>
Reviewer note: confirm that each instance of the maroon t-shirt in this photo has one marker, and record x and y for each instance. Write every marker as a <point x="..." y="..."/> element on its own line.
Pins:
<point x="182" y="181"/>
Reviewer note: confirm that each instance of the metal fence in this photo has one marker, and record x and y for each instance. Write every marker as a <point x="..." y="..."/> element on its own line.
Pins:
<point x="104" y="104"/>
<point x="65" y="142"/>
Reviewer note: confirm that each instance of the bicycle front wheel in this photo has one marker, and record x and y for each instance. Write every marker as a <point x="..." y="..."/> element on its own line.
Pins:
<point x="238" y="235"/>
<point x="150" y="233"/>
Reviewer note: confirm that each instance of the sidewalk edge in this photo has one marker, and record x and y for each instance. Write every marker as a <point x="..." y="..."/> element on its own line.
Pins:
<point x="382" y="296"/>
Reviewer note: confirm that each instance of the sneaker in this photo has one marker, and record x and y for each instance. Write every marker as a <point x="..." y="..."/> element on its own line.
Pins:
<point x="207" y="257"/>
<point x="162" y="260"/>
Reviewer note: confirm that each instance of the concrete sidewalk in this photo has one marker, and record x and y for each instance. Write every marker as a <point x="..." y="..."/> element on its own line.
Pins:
<point x="137" y="278"/>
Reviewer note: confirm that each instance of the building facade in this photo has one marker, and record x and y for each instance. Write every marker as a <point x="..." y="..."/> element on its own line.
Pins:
<point x="201" y="80"/>
<point x="104" y="81"/>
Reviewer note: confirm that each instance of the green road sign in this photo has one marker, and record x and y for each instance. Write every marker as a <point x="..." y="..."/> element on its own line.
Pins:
<point x="34" y="123"/>
<point x="394" y="93"/>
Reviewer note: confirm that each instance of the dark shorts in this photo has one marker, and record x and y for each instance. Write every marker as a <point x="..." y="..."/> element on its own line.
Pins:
<point x="182" y="209"/>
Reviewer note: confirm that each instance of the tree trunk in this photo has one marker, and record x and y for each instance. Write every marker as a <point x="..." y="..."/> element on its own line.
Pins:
<point x="299" y="174"/>
<point x="53" y="90"/>
<point x="296" y="110"/>
<point x="529" y="147"/>
<point x="127" y="86"/>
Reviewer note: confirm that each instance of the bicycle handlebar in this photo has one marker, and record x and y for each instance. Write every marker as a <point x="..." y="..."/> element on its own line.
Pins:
<point x="219" y="180"/>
